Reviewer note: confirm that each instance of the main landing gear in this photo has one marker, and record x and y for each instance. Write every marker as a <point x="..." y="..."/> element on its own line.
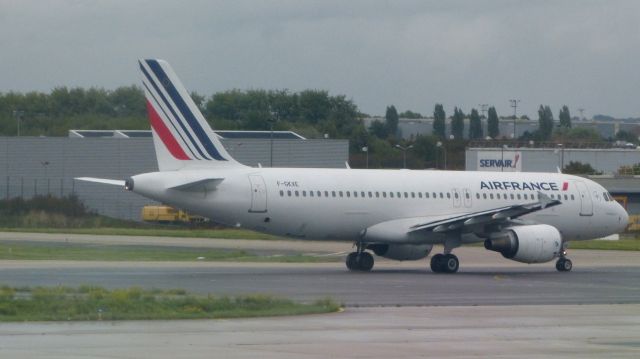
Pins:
<point x="445" y="263"/>
<point x="360" y="260"/>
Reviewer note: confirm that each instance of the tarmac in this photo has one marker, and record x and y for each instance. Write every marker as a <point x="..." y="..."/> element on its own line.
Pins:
<point x="492" y="307"/>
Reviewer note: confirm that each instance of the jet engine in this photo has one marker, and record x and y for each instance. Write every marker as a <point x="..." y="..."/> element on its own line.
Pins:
<point x="527" y="244"/>
<point x="401" y="252"/>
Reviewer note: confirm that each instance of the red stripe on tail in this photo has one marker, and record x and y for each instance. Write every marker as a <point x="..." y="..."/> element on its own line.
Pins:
<point x="165" y="135"/>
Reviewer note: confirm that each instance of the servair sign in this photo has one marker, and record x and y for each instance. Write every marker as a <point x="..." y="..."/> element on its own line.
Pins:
<point x="500" y="161"/>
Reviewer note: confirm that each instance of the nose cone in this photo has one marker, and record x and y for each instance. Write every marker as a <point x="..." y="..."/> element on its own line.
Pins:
<point x="623" y="218"/>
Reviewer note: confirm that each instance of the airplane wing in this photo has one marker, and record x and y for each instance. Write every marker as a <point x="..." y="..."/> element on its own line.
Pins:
<point x="102" y="180"/>
<point x="475" y="219"/>
<point x="412" y="230"/>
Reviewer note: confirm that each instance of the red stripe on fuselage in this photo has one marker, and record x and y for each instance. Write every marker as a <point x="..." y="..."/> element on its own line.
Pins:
<point x="165" y="135"/>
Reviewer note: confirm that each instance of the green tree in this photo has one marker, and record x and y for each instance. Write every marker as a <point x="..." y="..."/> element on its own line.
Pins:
<point x="493" y="124"/>
<point x="475" y="125"/>
<point x="391" y="120"/>
<point x="378" y="129"/>
<point x="626" y="136"/>
<point x="579" y="168"/>
<point x="410" y="114"/>
<point x="457" y="123"/>
<point x="564" y="117"/>
<point x="545" y="123"/>
<point x="439" y="117"/>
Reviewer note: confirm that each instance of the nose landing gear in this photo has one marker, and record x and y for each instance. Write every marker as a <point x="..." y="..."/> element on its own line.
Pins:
<point x="564" y="264"/>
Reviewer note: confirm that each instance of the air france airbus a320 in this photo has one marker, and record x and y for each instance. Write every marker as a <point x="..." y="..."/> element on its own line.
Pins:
<point x="396" y="214"/>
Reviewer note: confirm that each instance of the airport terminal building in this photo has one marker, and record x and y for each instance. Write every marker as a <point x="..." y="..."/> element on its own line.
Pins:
<point x="48" y="165"/>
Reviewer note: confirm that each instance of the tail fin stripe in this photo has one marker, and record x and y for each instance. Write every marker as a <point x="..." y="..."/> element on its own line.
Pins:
<point x="175" y="115"/>
<point x="165" y="134"/>
<point x="184" y="109"/>
<point x="175" y="131"/>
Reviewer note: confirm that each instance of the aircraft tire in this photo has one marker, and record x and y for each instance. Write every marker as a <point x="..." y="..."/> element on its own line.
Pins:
<point x="365" y="261"/>
<point x="351" y="263"/>
<point x="564" y="265"/>
<point x="450" y="263"/>
<point x="436" y="263"/>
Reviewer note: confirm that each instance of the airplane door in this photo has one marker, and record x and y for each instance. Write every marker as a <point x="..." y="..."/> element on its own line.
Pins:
<point x="456" y="198"/>
<point x="586" y="204"/>
<point x="258" y="194"/>
<point x="466" y="197"/>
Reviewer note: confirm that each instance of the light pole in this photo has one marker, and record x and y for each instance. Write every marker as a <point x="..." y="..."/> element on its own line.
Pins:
<point x="272" y="120"/>
<point x="404" y="153"/>
<point x="560" y="148"/>
<point x="365" y="149"/>
<point x="444" y="150"/>
<point x="17" y="114"/>
<point x="514" y="104"/>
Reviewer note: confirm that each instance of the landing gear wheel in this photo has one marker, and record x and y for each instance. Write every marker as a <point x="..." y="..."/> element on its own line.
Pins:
<point x="564" y="265"/>
<point x="450" y="263"/>
<point x="359" y="262"/>
<point x="351" y="261"/>
<point x="444" y="263"/>
<point x="436" y="261"/>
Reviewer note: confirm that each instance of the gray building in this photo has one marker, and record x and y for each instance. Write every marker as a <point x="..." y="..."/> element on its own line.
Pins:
<point x="606" y="160"/>
<point x="424" y="126"/>
<point x="47" y="165"/>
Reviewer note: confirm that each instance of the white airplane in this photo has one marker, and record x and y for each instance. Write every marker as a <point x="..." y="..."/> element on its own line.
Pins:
<point x="396" y="214"/>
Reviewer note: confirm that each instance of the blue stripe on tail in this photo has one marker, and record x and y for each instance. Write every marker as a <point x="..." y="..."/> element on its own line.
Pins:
<point x="184" y="109"/>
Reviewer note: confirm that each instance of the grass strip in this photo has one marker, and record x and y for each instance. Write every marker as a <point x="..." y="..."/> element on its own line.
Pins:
<point x="154" y="232"/>
<point x="623" y="244"/>
<point x="88" y="303"/>
<point x="18" y="250"/>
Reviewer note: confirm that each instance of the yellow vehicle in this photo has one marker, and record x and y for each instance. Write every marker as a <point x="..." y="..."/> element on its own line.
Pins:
<point x="166" y="214"/>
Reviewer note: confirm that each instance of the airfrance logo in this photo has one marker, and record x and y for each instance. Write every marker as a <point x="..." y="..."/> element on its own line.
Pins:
<point x="521" y="186"/>
<point x="500" y="163"/>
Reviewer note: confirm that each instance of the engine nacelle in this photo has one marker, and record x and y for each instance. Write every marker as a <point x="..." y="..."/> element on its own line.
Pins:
<point x="401" y="252"/>
<point x="527" y="244"/>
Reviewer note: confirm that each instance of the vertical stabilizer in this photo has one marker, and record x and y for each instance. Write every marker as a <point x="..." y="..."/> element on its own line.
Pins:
<point x="181" y="135"/>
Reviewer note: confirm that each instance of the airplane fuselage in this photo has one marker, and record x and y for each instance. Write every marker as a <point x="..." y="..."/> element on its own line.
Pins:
<point x="338" y="204"/>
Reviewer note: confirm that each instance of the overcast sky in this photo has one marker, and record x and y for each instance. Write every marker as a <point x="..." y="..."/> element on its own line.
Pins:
<point x="412" y="54"/>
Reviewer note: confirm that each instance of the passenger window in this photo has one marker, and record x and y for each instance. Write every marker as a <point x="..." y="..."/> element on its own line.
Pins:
<point x="281" y="193"/>
<point x="434" y="195"/>
<point x="491" y="195"/>
<point x="448" y="195"/>
<point x="512" y="196"/>
<point x="399" y="195"/>
<point x="426" y="195"/>
<point x="289" y="193"/>
<point x="391" y="194"/>
<point x="419" y="194"/>
<point x="467" y="195"/>
<point x="340" y="193"/>
<point x="406" y="195"/>
<point x="566" y="198"/>
<point x="484" y="196"/>
<point x="319" y="194"/>
<point x="498" y="195"/>
<point x="518" y="195"/>
<point x="377" y="194"/>
<point x="355" y="193"/>
<point x="348" y="194"/>
<point x="441" y="196"/>
<point x="304" y="193"/>
<point x="333" y="193"/>
<point x="455" y="194"/>
<point x="384" y="194"/>
<point x="504" y="196"/>
<point x="310" y="193"/>
<point x="297" y="193"/>
<point x="362" y="194"/>
<point x="370" y="194"/>
<point x="573" y="198"/>
<point x="477" y="195"/>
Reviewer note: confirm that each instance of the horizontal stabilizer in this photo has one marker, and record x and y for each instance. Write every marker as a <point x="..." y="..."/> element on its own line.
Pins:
<point x="102" y="180"/>
<point x="201" y="184"/>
